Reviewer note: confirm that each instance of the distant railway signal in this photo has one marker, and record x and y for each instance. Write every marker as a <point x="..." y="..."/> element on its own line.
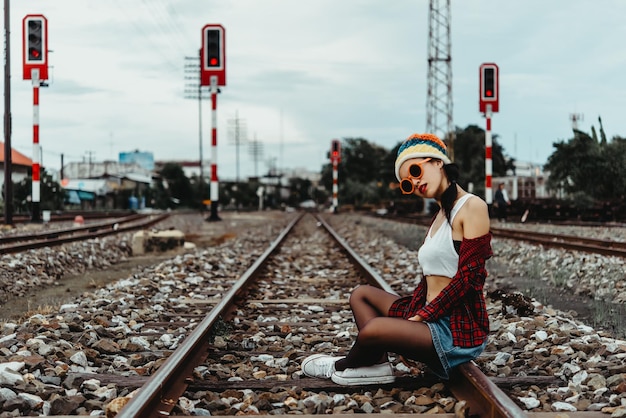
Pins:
<point x="35" y="46"/>
<point x="489" y="87"/>
<point x="213" y="55"/>
<point x="335" y="151"/>
<point x="488" y="97"/>
<point x="213" y="47"/>
<point x="35" y="40"/>
<point x="335" y="159"/>
<point x="213" y="74"/>
<point x="489" y="83"/>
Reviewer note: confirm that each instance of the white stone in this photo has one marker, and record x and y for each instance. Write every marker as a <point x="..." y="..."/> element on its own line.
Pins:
<point x="69" y="307"/>
<point x="33" y="401"/>
<point x="562" y="406"/>
<point x="91" y="384"/>
<point x="502" y="359"/>
<point x="79" y="358"/>
<point x="529" y="403"/>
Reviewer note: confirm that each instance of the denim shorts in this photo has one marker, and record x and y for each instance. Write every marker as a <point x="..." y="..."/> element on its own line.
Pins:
<point x="450" y="355"/>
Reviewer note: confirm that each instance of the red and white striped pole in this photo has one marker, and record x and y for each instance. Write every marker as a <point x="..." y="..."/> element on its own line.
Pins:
<point x="214" y="182"/>
<point x="335" y="185"/>
<point x="36" y="187"/>
<point x="488" y="163"/>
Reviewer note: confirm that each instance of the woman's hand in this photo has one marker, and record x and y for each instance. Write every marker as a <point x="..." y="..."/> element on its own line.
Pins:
<point x="416" y="318"/>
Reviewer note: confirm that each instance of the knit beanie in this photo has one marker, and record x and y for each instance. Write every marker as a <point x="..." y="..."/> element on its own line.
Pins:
<point x="421" y="146"/>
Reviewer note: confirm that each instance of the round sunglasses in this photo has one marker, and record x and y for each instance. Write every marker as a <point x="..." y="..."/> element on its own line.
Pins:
<point x="415" y="173"/>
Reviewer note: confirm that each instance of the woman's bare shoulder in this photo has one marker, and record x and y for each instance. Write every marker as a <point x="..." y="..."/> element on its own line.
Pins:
<point x="474" y="217"/>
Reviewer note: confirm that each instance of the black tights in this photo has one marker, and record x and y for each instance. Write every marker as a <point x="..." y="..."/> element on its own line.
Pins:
<point x="379" y="333"/>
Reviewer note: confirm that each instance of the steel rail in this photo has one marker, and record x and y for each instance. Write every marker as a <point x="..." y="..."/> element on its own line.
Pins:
<point x="570" y="242"/>
<point x="483" y="397"/>
<point x="66" y="216"/>
<point x="50" y="238"/>
<point x="55" y="233"/>
<point x="158" y="396"/>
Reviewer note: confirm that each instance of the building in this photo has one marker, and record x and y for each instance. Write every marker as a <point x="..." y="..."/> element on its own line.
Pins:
<point x="142" y="158"/>
<point x="21" y="166"/>
<point x="106" y="185"/>
<point x="528" y="181"/>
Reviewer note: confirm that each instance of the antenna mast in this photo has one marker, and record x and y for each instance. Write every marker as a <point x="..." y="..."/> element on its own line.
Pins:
<point x="575" y="117"/>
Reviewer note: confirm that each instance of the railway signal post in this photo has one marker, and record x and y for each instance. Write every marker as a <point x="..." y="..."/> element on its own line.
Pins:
<point x="488" y="93"/>
<point x="35" y="68"/>
<point x="335" y="159"/>
<point x="213" y="74"/>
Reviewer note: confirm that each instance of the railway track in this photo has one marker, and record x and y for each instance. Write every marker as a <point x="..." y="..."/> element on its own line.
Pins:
<point x="68" y="216"/>
<point x="268" y="301"/>
<point x="13" y="243"/>
<point x="522" y="233"/>
<point x="570" y="242"/>
<point x="98" y="350"/>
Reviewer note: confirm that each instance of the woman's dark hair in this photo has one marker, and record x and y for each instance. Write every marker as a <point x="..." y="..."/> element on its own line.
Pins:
<point x="449" y="195"/>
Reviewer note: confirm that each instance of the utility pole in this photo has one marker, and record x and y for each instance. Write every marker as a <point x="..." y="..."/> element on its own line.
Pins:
<point x="89" y="161"/>
<point x="8" y="182"/>
<point x="256" y="152"/>
<point x="193" y="90"/>
<point x="439" y="97"/>
<point x="237" y="134"/>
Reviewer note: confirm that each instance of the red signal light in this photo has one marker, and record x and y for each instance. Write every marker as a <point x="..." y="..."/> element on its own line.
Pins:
<point x="213" y="46"/>
<point x="489" y="80"/>
<point x="489" y="88"/>
<point x="35" y="37"/>
<point x="213" y="55"/>
<point x="335" y="150"/>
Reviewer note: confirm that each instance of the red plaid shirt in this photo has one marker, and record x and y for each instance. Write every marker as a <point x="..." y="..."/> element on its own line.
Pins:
<point x="462" y="299"/>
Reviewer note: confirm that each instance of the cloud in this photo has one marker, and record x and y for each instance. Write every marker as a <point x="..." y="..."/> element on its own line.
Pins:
<point x="301" y="73"/>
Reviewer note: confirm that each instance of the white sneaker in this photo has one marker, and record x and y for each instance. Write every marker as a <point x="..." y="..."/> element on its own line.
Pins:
<point x="370" y="375"/>
<point x="319" y="365"/>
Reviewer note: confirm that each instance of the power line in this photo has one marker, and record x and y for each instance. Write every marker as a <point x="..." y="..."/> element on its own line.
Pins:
<point x="148" y="34"/>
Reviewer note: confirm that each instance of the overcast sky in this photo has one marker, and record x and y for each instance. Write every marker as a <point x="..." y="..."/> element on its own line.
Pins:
<point x="302" y="72"/>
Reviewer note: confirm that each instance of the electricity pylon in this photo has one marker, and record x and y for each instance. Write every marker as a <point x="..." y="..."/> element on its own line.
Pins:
<point x="439" y="98"/>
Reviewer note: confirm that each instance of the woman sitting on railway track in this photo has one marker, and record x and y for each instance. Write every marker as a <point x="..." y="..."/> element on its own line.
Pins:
<point x="444" y="323"/>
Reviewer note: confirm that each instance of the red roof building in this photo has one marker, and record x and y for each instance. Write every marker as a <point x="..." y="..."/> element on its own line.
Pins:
<point x="17" y="158"/>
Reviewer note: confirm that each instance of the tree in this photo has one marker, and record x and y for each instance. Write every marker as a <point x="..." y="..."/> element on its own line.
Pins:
<point x="52" y="194"/>
<point x="469" y="155"/>
<point x="175" y="188"/>
<point x="588" y="167"/>
<point x="364" y="172"/>
<point x="367" y="174"/>
<point x="299" y="191"/>
<point x="575" y="165"/>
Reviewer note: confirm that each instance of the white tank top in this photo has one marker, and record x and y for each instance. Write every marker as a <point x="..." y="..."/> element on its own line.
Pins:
<point x="437" y="255"/>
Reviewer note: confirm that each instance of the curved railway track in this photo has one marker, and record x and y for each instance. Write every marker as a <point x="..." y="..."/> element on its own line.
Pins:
<point x="268" y="300"/>
<point x="13" y="243"/>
